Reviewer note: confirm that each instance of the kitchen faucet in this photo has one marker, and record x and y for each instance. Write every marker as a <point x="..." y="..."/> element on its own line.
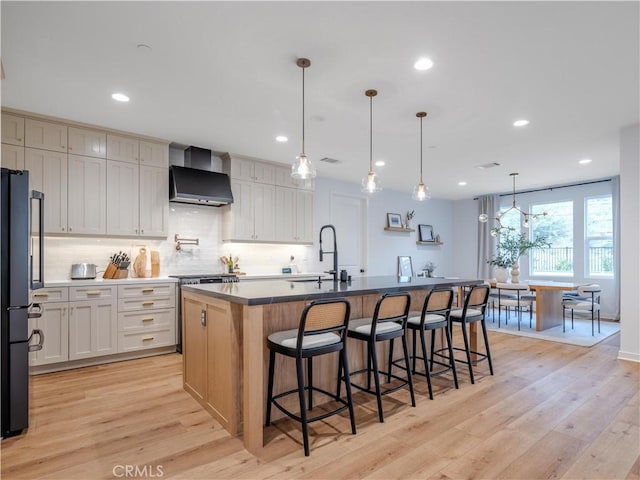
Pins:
<point x="334" y="253"/>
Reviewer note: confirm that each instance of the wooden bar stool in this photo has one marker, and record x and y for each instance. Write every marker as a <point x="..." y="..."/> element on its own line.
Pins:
<point x="435" y="316"/>
<point x="388" y="323"/>
<point x="322" y="330"/>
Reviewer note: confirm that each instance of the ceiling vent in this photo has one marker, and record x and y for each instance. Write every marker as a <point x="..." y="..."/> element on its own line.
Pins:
<point x="330" y="160"/>
<point x="484" y="166"/>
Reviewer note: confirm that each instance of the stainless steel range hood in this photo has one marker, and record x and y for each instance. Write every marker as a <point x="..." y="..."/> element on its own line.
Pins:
<point x="195" y="183"/>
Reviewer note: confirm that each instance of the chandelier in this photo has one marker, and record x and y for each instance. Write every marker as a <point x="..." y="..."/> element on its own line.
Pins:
<point x="484" y="218"/>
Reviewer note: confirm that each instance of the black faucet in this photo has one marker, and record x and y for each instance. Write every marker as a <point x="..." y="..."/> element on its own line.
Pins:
<point x="334" y="253"/>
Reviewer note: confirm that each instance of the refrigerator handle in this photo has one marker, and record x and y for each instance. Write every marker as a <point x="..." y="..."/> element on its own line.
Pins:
<point x="39" y="283"/>
<point x="37" y="346"/>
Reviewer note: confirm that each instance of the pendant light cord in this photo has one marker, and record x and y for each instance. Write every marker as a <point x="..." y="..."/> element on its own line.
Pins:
<point x="303" y="110"/>
<point x="371" y="134"/>
<point x="421" y="150"/>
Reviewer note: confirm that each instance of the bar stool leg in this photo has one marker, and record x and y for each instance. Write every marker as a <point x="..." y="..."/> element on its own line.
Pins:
<point x="347" y="381"/>
<point x="486" y="345"/>
<point x="374" y="360"/>
<point x="272" y="361"/>
<point x="414" y="351"/>
<point x="303" y="409"/>
<point x="340" y="367"/>
<point x="427" y="371"/>
<point x="409" y="376"/>
<point x="466" y="349"/>
<point x="310" y="381"/>
<point x="452" y="360"/>
<point x="390" y="360"/>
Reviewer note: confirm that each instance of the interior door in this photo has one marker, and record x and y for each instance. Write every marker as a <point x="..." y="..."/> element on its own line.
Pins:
<point x="349" y="216"/>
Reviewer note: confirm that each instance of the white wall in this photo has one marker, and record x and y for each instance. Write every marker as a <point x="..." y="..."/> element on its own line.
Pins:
<point x="630" y="243"/>
<point x="465" y="238"/>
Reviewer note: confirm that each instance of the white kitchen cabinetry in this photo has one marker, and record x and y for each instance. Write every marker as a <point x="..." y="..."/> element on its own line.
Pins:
<point x="241" y="168"/>
<point x="146" y="316"/>
<point x="87" y="198"/>
<point x="54" y="324"/>
<point x="251" y="216"/>
<point x="294" y="215"/>
<point x="12" y="129"/>
<point x="90" y="143"/>
<point x="45" y="135"/>
<point x="93" y="323"/>
<point x="12" y="156"/>
<point x="154" y="201"/>
<point x="284" y="179"/>
<point x="48" y="174"/>
<point x="122" y="198"/>
<point x="132" y="150"/>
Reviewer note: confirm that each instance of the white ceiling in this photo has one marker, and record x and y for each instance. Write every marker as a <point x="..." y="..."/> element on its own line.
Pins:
<point x="222" y="75"/>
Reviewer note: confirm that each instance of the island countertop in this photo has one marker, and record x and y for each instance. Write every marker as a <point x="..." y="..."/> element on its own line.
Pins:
<point x="268" y="292"/>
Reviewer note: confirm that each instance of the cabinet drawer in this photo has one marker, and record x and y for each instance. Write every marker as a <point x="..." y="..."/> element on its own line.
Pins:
<point x="151" y="303"/>
<point x="146" y="290"/>
<point x="51" y="294"/>
<point x="144" y="340"/>
<point x="150" y="320"/>
<point x="92" y="292"/>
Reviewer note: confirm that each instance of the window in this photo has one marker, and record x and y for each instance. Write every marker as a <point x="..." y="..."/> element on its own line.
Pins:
<point x="557" y="228"/>
<point x="598" y="236"/>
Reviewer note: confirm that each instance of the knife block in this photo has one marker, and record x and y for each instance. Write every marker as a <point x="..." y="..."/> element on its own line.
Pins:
<point x="113" y="272"/>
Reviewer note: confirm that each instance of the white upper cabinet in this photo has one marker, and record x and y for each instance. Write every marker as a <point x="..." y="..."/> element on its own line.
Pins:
<point x="45" y="135"/>
<point x="154" y="154"/>
<point x="123" y="149"/>
<point x="87" y="196"/>
<point x="294" y="215"/>
<point x="264" y="198"/>
<point x="154" y="201"/>
<point x="48" y="174"/>
<point x="239" y="216"/>
<point x="122" y="198"/>
<point x="304" y="216"/>
<point x="242" y="168"/>
<point x="12" y="157"/>
<point x="264" y="173"/>
<point x="12" y="129"/>
<point x="86" y="142"/>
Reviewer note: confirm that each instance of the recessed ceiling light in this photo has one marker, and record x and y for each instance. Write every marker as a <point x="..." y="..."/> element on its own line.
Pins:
<point x="462" y="184"/>
<point x="520" y="123"/>
<point x="380" y="163"/>
<point x="281" y="139"/>
<point x="120" y="97"/>
<point x="584" y="161"/>
<point x="423" y="64"/>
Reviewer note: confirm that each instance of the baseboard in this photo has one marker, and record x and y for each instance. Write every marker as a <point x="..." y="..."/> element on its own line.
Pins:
<point x="629" y="356"/>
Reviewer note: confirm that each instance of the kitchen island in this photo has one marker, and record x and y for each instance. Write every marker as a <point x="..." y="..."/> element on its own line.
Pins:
<point x="225" y="327"/>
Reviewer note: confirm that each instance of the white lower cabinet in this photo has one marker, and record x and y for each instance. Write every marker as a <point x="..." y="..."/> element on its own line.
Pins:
<point x="54" y="324"/>
<point x="146" y="316"/>
<point x="93" y="328"/>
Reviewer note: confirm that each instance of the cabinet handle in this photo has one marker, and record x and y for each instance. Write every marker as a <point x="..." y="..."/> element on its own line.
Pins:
<point x="62" y="146"/>
<point x="70" y="228"/>
<point x="70" y="148"/>
<point x="45" y="295"/>
<point x="147" y="290"/>
<point x="141" y="231"/>
<point x="147" y="339"/>
<point x="147" y="304"/>
<point x="63" y="229"/>
<point x="19" y="139"/>
<point x="147" y="319"/>
<point x="93" y="292"/>
<point x="136" y="230"/>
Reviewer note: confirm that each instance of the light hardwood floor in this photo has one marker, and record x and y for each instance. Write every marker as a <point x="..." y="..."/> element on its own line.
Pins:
<point x="551" y="411"/>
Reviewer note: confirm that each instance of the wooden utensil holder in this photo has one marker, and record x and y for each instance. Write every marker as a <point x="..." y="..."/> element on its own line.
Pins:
<point x="113" y="272"/>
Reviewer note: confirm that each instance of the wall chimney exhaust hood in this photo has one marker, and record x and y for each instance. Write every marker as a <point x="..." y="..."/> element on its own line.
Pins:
<point x="196" y="183"/>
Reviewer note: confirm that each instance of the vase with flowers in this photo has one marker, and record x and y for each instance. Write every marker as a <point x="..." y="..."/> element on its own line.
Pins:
<point x="512" y="245"/>
<point x="410" y="216"/>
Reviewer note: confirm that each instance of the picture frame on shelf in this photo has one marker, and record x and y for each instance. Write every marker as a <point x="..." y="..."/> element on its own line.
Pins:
<point x="394" y="220"/>
<point x="426" y="233"/>
<point x="405" y="266"/>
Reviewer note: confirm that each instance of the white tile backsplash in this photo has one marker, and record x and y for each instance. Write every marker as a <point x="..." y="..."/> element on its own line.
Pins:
<point x="203" y="223"/>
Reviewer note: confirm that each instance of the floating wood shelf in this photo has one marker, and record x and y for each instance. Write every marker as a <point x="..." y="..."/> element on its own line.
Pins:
<point x="397" y="229"/>
<point x="429" y="243"/>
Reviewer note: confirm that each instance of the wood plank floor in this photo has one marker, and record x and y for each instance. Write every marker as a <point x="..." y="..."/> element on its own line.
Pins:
<point x="551" y="411"/>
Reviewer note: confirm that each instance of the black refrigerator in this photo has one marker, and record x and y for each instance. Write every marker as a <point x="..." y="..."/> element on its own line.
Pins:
<point x="19" y="252"/>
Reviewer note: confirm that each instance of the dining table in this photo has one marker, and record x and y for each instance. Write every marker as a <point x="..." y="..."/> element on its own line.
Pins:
<point x="548" y="301"/>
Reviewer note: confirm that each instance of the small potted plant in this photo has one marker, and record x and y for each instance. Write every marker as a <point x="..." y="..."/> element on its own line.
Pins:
<point x="429" y="268"/>
<point x="410" y="215"/>
<point x="512" y="245"/>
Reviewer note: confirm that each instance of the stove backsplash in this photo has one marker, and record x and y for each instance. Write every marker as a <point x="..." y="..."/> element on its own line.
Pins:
<point x="187" y="221"/>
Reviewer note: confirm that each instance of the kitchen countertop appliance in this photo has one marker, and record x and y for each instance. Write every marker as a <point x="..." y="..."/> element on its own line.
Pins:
<point x="83" y="271"/>
<point x="22" y="268"/>
<point x="197" y="279"/>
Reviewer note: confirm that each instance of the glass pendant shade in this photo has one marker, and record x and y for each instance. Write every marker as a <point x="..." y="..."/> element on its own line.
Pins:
<point x="371" y="183"/>
<point x="302" y="168"/>
<point x="483" y="218"/>
<point x="421" y="192"/>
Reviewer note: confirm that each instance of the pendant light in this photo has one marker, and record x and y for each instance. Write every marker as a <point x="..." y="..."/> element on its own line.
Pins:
<point x="302" y="168"/>
<point x="371" y="183"/>
<point x="421" y="191"/>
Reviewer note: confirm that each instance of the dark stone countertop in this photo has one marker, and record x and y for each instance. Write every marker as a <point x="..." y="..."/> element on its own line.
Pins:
<point x="279" y="291"/>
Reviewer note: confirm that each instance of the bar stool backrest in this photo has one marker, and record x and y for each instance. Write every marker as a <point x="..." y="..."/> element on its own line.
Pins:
<point x="477" y="299"/>
<point x="391" y="307"/>
<point x="438" y="302"/>
<point x="324" y="316"/>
